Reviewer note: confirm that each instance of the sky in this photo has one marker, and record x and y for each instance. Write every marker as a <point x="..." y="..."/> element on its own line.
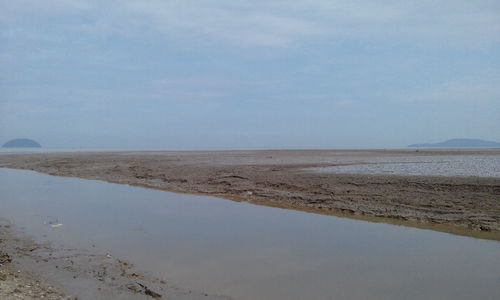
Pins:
<point x="237" y="74"/>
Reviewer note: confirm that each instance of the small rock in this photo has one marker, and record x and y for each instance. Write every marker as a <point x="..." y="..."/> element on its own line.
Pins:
<point x="484" y="228"/>
<point x="5" y="258"/>
<point x="149" y="292"/>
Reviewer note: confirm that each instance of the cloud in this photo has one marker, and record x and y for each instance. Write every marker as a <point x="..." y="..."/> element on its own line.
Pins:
<point x="19" y="9"/>
<point x="278" y="23"/>
<point x="238" y="23"/>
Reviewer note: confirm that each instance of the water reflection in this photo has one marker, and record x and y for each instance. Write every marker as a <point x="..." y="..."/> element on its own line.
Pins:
<point x="248" y="251"/>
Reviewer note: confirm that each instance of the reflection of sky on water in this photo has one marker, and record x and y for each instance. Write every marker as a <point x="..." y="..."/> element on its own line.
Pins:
<point x="249" y="251"/>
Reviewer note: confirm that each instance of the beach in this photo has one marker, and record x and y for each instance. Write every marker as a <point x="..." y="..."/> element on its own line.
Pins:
<point x="451" y="191"/>
<point x="292" y="179"/>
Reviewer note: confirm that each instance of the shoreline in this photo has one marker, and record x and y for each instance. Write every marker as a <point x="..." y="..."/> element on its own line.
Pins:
<point x="31" y="269"/>
<point x="467" y="206"/>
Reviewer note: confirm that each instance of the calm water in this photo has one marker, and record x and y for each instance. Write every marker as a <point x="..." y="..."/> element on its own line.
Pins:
<point x="440" y="165"/>
<point x="247" y="251"/>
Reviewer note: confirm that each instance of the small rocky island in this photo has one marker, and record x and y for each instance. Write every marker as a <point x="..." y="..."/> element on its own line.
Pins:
<point x="21" y="143"/>
<point x="459" y="143"/>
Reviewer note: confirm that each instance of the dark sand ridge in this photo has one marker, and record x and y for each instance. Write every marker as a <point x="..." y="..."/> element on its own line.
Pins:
<point x="461" y="205"/>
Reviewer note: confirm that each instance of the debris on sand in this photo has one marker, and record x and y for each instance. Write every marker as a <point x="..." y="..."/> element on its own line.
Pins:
<point x="142" y="289"/>
<point x="149" y="292"/>
<point x="4" y="258"/>
<point x="21" y="285"/>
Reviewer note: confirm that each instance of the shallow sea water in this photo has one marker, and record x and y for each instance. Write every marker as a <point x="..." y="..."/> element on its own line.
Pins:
<point x="247" y="251"/>
<point x="453" y="165"/>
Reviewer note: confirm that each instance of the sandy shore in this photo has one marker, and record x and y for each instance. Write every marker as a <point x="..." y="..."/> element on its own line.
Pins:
<point x="461" y="205"/>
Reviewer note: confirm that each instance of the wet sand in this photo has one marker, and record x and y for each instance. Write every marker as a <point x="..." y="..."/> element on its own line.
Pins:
<point x="283" y="178"/>
<point x="30" y="269"/>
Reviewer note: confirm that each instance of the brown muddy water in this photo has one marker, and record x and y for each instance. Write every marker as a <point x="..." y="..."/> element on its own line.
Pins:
<point x="246" y="251"/>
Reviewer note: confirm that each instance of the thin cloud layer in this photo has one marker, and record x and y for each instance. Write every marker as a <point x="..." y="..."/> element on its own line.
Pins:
<point x="201" y="74"/>
<point x="453" y="23"/>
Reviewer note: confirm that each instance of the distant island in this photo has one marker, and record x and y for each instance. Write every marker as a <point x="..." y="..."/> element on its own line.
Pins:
<point x="21" y="143"/>
<point x="459" y="143"/>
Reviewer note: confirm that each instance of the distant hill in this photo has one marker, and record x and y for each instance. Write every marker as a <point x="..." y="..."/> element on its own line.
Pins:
<point x="459" y="143"/>
<point x="21" y="143"/>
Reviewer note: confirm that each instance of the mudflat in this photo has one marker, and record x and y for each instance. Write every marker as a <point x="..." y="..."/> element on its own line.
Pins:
<point x="30" y="269"/>
<point x="462" y="204"/>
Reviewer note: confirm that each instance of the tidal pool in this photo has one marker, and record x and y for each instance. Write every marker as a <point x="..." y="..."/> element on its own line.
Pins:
<point x="250" y="252"/>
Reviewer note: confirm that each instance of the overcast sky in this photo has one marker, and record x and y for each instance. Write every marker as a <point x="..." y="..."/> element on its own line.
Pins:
<point x="219" y="74"/>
